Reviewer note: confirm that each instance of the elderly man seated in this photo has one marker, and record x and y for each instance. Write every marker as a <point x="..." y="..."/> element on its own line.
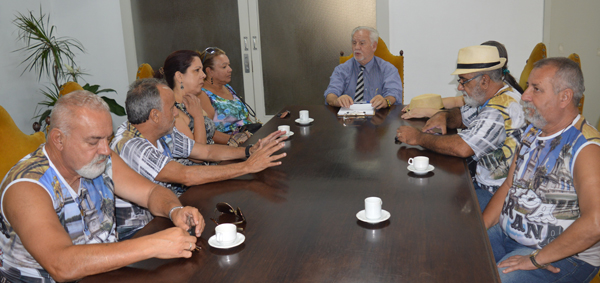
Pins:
<point x="365" y="78"/>
<point x="57" y="208"/>
<point x="544" y="221"/>
<point x="492" y="121"/>
<point x="148" y="142"/>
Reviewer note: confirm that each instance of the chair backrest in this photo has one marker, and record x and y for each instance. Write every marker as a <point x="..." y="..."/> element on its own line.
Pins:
<point x="538" y="53"/>
<point x="575" y="57"/>
<point x="145" y="71"/>
<point x="384" y="53"/>
<point x="14" y="144"/>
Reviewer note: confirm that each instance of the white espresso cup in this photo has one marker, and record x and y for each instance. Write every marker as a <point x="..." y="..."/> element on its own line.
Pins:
<point x="373" y="207"/>
<point x="284" y="128"/>
<point x="226" y="233"/>
<point x="303" y="115"/>
<point x="420" y="162"/>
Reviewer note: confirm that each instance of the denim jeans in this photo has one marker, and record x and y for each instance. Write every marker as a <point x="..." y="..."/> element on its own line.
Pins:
<point x="483" y="196"/>
<point x="571" y="269"/>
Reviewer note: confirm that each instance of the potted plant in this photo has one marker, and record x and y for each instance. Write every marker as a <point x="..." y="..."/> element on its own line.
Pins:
<point x="53" y="57"/>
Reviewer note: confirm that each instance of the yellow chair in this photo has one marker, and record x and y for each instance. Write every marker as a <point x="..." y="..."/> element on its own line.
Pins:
<point x="384" y="53"/>
<point x="14" y="144"/>
<point x="576" y="58"/>
<point x="144" y="72"/>
<point x="538" y="53"/>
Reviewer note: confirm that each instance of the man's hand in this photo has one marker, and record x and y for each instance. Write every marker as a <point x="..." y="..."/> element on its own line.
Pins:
<point x="437" y="121"/>
<point x="344" y="101"/>
<point x="520" y="262"/>
<point x="378" y="102"/>
<point x="274" y="136"/>
<point x="419" y="113"/>
<point x="408" y="135"/>
<point x="183" y="216"/>
<point x="263" y="157"/>
<point x="193" y="105"/>
<point x="172" y="243"/>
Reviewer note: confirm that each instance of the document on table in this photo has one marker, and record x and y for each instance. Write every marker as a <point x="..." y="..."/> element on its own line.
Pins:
<point x="357" y="110"/>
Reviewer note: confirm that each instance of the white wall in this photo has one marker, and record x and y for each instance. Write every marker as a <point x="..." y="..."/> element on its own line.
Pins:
<point x="18" y="94"/>
<point x="96" y="24"/>
<point x="431" y="33"/>
<point x="572" y="27"/>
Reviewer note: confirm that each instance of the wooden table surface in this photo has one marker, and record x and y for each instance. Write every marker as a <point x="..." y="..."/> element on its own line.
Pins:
<point x="301" y="216"/>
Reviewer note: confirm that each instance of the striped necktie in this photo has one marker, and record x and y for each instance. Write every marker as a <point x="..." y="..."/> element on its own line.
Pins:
<point x="360" y="86"/>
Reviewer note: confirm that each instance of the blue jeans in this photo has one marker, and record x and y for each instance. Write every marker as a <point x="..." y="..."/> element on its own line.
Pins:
<point x="483" y="196"/>
<point x="571" y="269"/>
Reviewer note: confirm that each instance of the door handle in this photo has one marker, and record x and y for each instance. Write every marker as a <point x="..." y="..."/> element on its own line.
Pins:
<point x="245" y="43"/>
<point x="246" y="63"/>
<point x="254" y="42"/>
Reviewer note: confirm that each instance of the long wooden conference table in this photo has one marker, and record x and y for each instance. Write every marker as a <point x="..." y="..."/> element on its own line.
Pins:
<point x="301" y="216"/>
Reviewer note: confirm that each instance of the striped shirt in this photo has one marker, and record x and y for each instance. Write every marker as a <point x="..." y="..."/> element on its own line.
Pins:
<point x="380" y="78"/>
<point x="493" y="132"/>
<point x="148" y="160"/>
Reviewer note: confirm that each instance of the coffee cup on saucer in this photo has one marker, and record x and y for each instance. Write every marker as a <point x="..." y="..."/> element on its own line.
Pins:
<point x="304" y="116"/>
<point x="284" y="128"/>
<point x="226" y="233"/>
<point x="420" y="163"/>
<point x="373" y="207"/>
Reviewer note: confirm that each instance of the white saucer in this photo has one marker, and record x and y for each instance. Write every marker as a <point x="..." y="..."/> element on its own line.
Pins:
<point x="212" y="241"/>
<point x="289" y="134"/>
<point x="420" y="172"/>
<point x="384" y="216"/>
<point x="310" y="120"/>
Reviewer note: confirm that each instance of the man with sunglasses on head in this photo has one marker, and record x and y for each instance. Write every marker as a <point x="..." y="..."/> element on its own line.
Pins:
<point x="365" y="78"/>
<point x="491" y="121"/>
<point x="57" y="213"/>
<point x="148" y="142"/>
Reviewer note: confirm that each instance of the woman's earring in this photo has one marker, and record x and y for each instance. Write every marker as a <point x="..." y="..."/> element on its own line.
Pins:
<point x="211" y="81"/>
<point x="181" y="85"/>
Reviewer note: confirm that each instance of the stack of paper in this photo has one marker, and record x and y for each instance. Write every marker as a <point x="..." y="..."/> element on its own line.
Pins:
<point x="357" y="110"/>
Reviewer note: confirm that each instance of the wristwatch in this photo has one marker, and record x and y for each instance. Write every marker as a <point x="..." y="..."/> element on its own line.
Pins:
<point x="388" y="103"/>
<point x="535" y="263"/>
<point x="248" y="150"/>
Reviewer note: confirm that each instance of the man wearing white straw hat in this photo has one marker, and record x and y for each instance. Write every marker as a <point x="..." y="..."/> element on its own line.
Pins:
<point x="491" y="121"/>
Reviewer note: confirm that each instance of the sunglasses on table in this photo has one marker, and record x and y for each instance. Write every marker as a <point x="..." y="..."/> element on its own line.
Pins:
<point x="230" y="215"/>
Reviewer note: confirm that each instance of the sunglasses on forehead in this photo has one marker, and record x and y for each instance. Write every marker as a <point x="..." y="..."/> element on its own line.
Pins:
<point x="229" y="214"/>
<point x="208" y="51"/>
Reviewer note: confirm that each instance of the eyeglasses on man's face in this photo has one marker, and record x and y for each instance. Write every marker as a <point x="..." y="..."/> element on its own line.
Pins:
<point x="467" y="81"/>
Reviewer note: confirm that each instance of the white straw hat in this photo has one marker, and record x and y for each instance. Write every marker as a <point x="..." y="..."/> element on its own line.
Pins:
<point x="478" y="58"/>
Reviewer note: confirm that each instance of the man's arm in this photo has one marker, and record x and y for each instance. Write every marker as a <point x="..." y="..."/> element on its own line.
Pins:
<point x="443" y="120"/>
<point x="263" y="158"/>
<point x="341" y="101"/>
<point x="159" y="200"/>
<point x="29" y="209"/>
<point x="337" y="86"/>
<point x="217" y="152"/>
<point x="392" y="84"/>
<point x="491" y="214"/>
<point x="445" y="144"/>
<point x="585" y="231"/>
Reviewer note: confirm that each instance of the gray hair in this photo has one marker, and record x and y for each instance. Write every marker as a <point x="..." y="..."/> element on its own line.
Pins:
<point x="373" y="33"/>
<point x="495" y="75"/>
<point x="142" y="97"/>
<point x="66" y="105"/>
<point x="568" y="76"/>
